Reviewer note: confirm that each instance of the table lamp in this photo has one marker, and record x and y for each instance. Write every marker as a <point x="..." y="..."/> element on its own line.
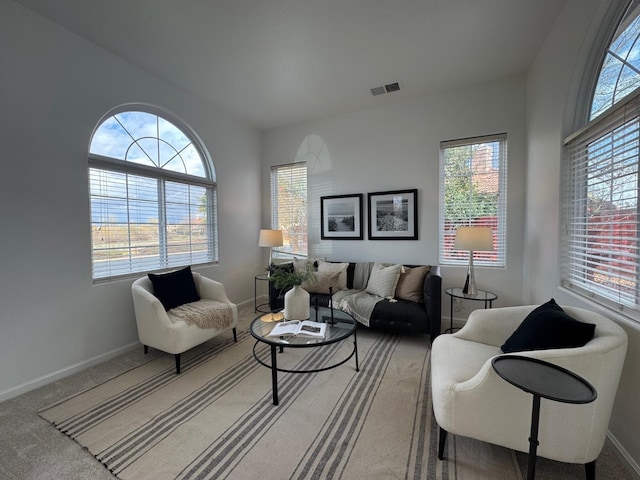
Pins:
<point x="270" y="238"/>
<point x="473" y="239"/>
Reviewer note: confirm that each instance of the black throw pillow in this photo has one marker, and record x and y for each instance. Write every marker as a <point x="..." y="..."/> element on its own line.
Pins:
<point x="174" y="288"/>
<point x="546" y="327"/>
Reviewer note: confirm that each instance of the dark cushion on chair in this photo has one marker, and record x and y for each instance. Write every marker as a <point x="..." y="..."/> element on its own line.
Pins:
<point x="546" y="327"/>
<point x="174" y="288"/>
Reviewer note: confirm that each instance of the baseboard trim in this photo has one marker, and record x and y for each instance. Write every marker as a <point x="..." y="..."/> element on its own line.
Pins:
<point x="625" y="458"/>
<point x="458" y="323"/>
<point x="64" y="372"/>
<point x="247" y="303"/>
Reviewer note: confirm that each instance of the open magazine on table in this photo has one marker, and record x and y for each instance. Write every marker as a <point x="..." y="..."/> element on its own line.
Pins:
<point x="302" y="328"/>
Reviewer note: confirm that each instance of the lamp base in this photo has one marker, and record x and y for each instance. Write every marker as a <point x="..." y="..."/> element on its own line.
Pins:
<point x="270" y="262"/>
<point x="470" y="283"/>
<point x="469" y="286"/>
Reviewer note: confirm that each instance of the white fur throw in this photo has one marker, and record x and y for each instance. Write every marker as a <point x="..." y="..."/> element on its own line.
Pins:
<point x="205" y="314"/>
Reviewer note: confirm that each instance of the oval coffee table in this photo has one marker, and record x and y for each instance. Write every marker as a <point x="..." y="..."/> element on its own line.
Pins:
<point x="340" y="326"/>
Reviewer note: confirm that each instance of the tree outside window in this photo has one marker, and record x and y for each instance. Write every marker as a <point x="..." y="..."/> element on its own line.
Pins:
<point x="472" y="191"/>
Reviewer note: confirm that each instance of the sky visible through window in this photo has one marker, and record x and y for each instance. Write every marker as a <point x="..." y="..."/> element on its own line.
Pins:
<point x="620" y="73"/>
<point x="146" y="139"/>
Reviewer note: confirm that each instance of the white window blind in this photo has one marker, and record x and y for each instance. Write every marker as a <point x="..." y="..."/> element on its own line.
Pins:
<point x="153" y="202"/>
<point x="289" y="207"/>
<point x="473" y="183"/>
<point x="600" y="209"/>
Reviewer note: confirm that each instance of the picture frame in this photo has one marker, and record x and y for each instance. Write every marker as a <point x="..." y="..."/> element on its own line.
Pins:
<point x="393" y="215"/>
<point x="341" y="217"/>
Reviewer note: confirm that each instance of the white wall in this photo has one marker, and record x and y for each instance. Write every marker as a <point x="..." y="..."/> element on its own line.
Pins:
<point x="553" y="90"/>
<point x="54" y="87"/>
<point x="397" y="147"/>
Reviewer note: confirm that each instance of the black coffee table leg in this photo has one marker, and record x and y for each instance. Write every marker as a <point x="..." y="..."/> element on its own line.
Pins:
<point x="533" y="438"/>
<point x="274" y="375"/>
<point x="355" y="348"/>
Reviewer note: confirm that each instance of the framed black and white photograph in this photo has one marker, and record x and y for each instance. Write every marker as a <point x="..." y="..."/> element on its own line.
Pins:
<point x="393" y="215"/>
<point x="341" y="217"/>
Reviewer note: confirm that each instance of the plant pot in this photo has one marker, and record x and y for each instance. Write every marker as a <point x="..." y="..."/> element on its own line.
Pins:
<point x="296" y="304"/>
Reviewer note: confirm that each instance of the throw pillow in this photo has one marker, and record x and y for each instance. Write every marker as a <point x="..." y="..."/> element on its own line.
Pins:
<point x="341" y="268"/>
<point x="174" y="288"/>
<point x="383" y="280"/>
<point x="411" y="284"/>
<point x="303" y="264"/>
<point x="321" y="282"/>
<point x="547" y="327"/>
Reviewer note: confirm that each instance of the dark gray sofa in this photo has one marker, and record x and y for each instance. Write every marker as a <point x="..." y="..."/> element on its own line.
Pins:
<point x="397" y="315"/>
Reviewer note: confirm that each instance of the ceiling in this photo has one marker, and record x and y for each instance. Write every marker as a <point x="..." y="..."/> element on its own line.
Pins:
<point x="279" y="62"/>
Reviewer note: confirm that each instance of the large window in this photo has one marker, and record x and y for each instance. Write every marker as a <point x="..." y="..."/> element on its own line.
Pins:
<point x="473" y="175"/>
<point x="600" y="256"/>
<point x="153" y="196"/>
<point x="289" y="207"/>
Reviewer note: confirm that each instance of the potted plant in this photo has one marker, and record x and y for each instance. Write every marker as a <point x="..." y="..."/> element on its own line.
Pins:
<point x="296" y="299"/>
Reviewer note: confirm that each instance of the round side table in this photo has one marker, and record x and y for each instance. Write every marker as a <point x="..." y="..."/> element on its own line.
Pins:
<point x="262" y="307"/>
<point x="543" y="380"/>
<point x="481" y="296"/>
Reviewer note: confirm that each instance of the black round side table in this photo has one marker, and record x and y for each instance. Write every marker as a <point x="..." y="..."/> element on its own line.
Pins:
<point x="543" y="380"/>
<point x="458" y="292"/>
<point x="262" y="307"/>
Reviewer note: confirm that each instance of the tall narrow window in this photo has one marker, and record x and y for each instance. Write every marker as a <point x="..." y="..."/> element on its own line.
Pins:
<point x="473" y="181"/>
<point x="289" y="207"/>
<point x="153" y="196"/>
<point x="600" y="257"/>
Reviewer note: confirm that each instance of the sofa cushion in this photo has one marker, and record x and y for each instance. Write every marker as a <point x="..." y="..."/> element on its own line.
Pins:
<point x="174" y="288"/>
<point x="547" y="327"/>
<point x="383" y="280"/>
<point x="411" y="284"/>
<point x="332" y="267"/>
<point x="322" y="281"/>
<point x="400" y="316"/>
<point x="302" y="264"/>
<point x="360" y="275"/>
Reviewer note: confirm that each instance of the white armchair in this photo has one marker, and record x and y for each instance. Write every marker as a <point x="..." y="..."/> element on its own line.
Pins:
<point x="470" y="399"/>
<point x="160" y="329"/>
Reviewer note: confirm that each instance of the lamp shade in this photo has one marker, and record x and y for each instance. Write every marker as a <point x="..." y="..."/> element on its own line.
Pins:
<point x="270" y="238"/>
<point x="474" y="238"/>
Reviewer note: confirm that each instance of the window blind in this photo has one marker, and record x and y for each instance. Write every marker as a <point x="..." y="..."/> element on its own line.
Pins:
<point x="289" y="207"/>
<point x="141" y="224"/>
<point x="600" y="209"/>
<point x="473" y="183"/>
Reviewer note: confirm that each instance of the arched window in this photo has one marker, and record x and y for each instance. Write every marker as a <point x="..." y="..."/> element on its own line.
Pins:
<point x="620" y="72"/>
<point x="153" y="195"/>
<point x="601" y="181"/>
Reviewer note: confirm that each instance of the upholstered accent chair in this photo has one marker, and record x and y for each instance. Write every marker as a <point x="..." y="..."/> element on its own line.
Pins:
<point x="162" y="329"/>
<point x="471" y="400"/>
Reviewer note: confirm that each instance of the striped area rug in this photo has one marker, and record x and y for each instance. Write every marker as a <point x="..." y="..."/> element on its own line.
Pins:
<point x="216" y="419"/>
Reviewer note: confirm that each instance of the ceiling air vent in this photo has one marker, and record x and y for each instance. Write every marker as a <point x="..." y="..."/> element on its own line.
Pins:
<point x="388" y="88"/>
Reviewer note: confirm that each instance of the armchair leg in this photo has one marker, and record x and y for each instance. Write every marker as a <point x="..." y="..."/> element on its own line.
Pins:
<point x="235" y="335"/>
<point x="590" y="470"/>
<point x="146" y="349"/>
<point x="442" y="438"/>
<point x="177" y="355"/>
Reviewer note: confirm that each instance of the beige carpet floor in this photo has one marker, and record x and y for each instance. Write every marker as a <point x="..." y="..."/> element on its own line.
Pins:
<point x="216" y="420"/>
